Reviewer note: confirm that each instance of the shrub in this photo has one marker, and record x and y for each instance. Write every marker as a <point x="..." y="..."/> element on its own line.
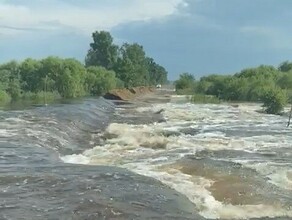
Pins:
<point x="4" y="97"/>
<point x="102" y="80"/>
<point x="274" y="100"/>
<point x="186" y="81"/>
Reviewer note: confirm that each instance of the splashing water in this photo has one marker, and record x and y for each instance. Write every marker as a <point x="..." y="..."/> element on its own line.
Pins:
<point x="231" y="162"/>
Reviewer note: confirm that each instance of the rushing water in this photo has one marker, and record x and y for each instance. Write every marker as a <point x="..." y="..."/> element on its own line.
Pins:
<point x="36" y="184"/>
<point x="230" y="162"/>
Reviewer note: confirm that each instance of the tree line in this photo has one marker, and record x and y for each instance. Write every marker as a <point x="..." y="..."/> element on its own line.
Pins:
<point x="107" y="66"/>
<point x="267" y="84"/>
<point x="129" y="62"/>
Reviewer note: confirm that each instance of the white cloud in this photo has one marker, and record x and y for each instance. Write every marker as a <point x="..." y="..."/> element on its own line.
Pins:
<point x="54" y="14"/>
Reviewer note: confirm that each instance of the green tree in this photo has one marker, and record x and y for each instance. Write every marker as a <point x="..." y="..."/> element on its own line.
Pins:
<point x="203" y="86"/>
<point x="285" y="81"/>
<point x="4" y="97"/>
<point x="261" y="71"/>
<point x="70" y="83"/>
<point x="51" y="69"/>
<point x="11" y="79"/>
<point x="235" y="89"/>
<point x="4" y="79"/>
<point x="274" y="100"/>
<point x="102" y="51"/>
<point x="13" y="68"/>
<point x="185" y="81"/>
<point x="132" y="67"/>
<point x="157" y="73"/>
<point x="30" y="75"/>
<point x="257" y="86"/>
<point x="285" y="66"/>
<point x="99" y="80"/>
<point x="14" y="89"/>
<point x="217" y="84"/>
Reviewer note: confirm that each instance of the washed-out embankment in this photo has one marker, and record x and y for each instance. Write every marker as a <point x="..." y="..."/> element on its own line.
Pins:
<point x="128" y="94"/>
<point x="133" y="98"/>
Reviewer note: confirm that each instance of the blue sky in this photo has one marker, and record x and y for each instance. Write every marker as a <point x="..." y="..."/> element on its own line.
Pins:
<point x="196" y="36"/>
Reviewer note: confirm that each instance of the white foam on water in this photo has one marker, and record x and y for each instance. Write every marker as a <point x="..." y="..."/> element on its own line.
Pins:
<point x="76" y="159"/>
<point x="277" y="173"/>
<point x="282" y="178"/>
<point x="148" y="109"/>
<point x="144" y="149"/>
<point x="195" y="188"/>
<point x="4" y="133"/>
<point x="17" y="120"/>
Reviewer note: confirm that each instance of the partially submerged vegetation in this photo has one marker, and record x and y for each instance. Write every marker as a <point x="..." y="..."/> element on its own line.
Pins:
<point x="266" y="84"/>
<point x="107" y="66"/>
<point x="52" y="78"/>
<point x="204" y="99"/>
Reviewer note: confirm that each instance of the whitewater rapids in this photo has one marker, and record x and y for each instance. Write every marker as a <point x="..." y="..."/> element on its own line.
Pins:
<point x="231" y="161"/>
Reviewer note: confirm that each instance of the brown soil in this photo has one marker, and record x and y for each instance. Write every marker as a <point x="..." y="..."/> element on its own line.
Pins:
<point x="128" y="94"/>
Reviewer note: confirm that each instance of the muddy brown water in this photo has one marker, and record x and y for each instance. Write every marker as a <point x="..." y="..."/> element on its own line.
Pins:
<point x="155" y="157"/>
<point x="36" y="184"/>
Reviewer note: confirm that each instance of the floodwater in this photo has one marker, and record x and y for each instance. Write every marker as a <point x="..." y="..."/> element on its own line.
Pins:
<point x="157" y="158"/>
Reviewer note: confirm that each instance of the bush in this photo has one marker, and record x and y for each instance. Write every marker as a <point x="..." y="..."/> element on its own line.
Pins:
<point x="274" y="100"/>
<point x="289" y="95"/>
<point x="4" y="97"/>
<point x="14" y="90"/>
<point x="186" y="81"/>
<point x="102" y="80"/>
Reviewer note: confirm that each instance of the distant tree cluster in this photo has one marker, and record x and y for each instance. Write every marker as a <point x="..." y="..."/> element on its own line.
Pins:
<point x="107" y="66"/>
<point x="64" y="78"/>
<point x="129" y="62"/>
<point x="186" y="84"/>
<point x="267" y="84"/>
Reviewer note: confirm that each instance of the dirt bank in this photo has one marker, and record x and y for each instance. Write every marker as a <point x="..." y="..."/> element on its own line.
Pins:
<point x="128" y="94"/>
